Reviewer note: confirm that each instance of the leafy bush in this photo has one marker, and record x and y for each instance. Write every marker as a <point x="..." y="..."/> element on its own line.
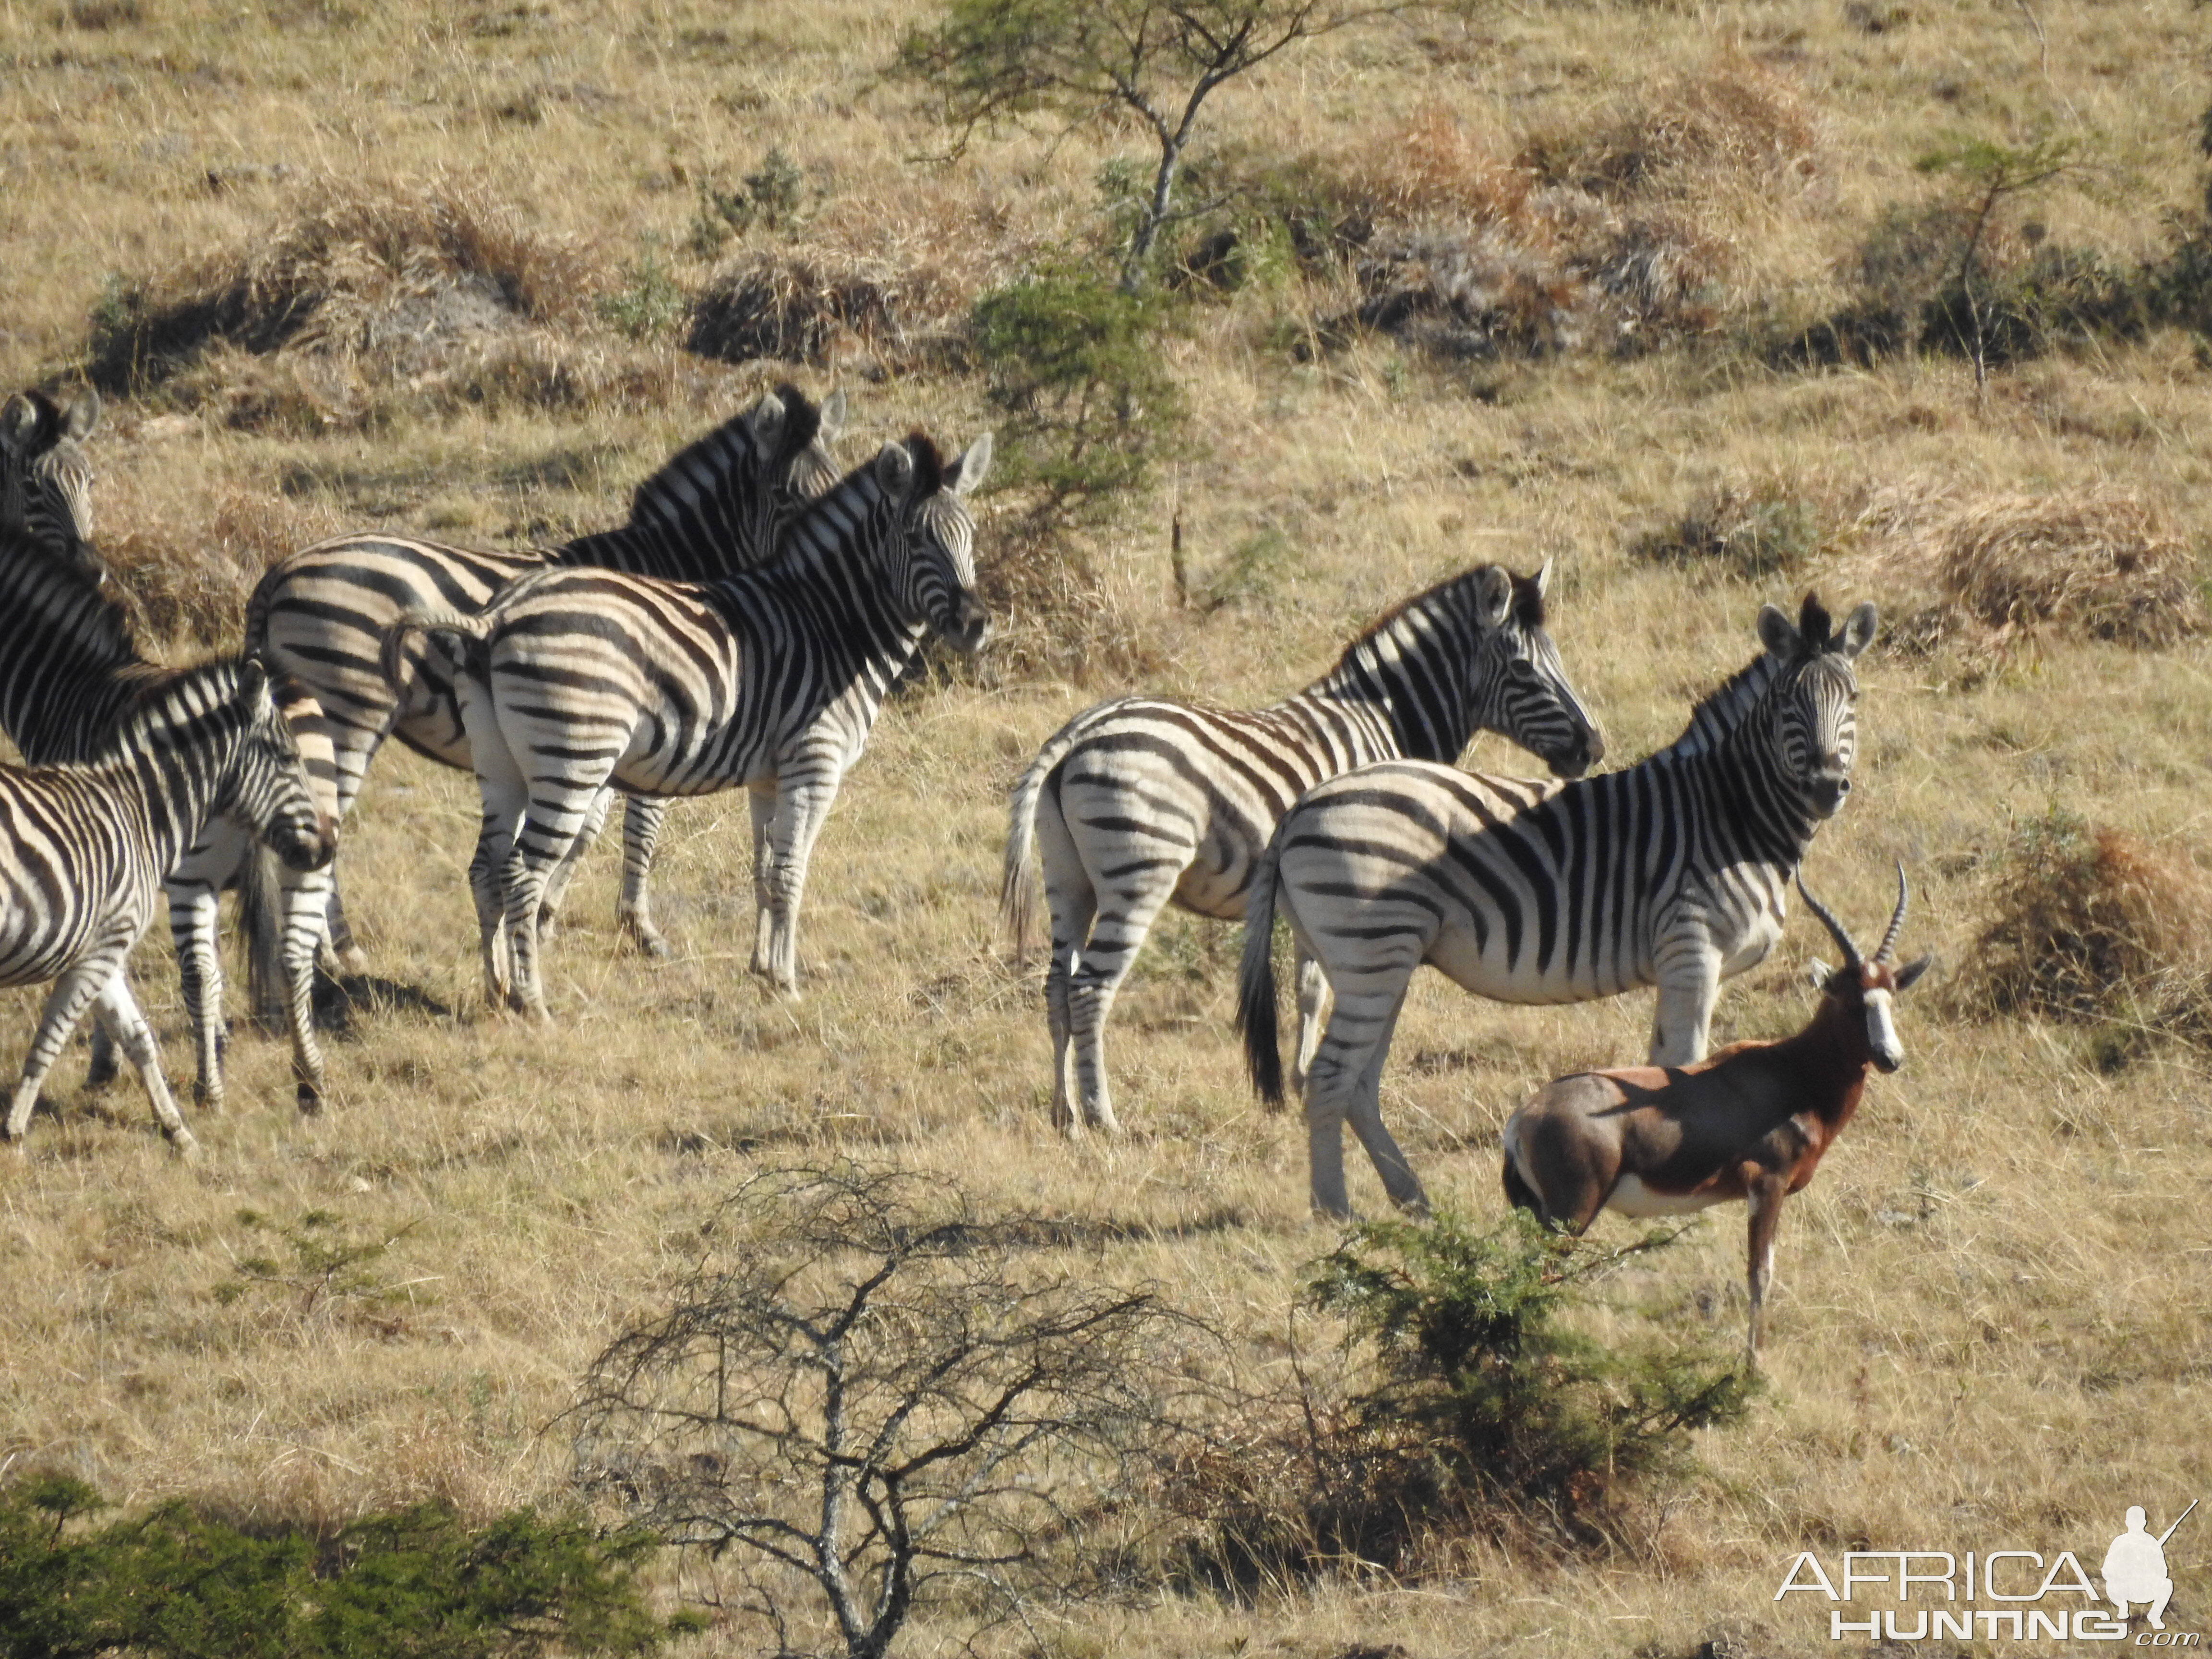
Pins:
<point x="1751" y="532"/>
<point x="773" y="196"/>
<point x="178" y="1583"/>
<point x="1489" y="1412"/>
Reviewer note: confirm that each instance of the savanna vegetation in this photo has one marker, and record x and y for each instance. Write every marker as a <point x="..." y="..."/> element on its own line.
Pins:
<point x="1711" y="305"/>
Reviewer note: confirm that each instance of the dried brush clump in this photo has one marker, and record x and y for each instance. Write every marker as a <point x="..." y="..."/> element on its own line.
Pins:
<point x="2098" y="562"/>
<point x="874" y="287"/>
<point x="360" y="304"/>
<point x="1734" y="123"/>
<point x="1053" y="616"/>
<point x="2096" y="927"/>
<point x="187" y="584"/>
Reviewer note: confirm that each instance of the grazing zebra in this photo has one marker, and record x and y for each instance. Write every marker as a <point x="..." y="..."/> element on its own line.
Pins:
<point x="770" y="680"/>
<point x="1673" y="873"/>
<point x="70" y="674"/>
<point x="1144" y="800"/>
<point x="84" y="850"/>
<point x="714" y="508"/>
<point x="46" y="481"/>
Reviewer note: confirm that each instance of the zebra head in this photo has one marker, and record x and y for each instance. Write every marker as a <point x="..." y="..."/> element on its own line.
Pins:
<point x="268" y="784"/>
<point x="932" y="578"/>
<point x="1530" y="699"/>
<point x="1813" y="732"/>
<point x="45" y="480"/>
<point x="728" y="495"/>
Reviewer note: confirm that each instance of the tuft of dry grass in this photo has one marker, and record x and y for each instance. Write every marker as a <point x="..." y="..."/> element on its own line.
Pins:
<point x="1731" y="121"/>
<point x="2094" y="562"/>
<point x="187" y="584"/>
<point x="2095" y="926"/>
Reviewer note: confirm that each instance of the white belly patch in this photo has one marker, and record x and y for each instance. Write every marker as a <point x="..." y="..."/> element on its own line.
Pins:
<point x="1632" y="1198"/>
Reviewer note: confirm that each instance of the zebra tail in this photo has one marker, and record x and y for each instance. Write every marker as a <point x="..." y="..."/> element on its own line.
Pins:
<point x="1018" y="887"/>
<point x="1255" y="982"/>
<point x="457" y="638"/>
<point x="261" y="920"/>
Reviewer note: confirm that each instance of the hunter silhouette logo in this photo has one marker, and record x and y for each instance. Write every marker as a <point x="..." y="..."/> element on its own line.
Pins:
<point x="2017" y="1595"/>
<point x="2134" y="1567"/>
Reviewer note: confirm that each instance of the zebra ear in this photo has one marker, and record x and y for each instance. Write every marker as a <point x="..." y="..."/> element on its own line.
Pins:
<point x="966" y="473"/>
<point x="893" y="469"/>
<point x="19" y="422"/>
<point x="832" y="416"/>
<point x="253" y="681"/>
<point x="83" y="414"/>
<point x="1776" y="632"/>
<point x="1858" y="629"/>
<point x="1819" y="972"/>
<point x="1543" y="578"/>
<point x="1493" y="596"/>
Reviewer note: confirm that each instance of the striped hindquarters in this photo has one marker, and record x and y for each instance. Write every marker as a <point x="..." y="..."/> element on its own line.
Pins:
<point x="74" y="857"/>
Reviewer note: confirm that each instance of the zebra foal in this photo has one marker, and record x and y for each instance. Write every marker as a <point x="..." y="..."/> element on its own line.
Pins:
<point x="84" y="850"/>
<point x="1140" y="801"/>
<point x="1673" y="873"/>
<point x="70" y="672"/>
<point x="771" y="680"/>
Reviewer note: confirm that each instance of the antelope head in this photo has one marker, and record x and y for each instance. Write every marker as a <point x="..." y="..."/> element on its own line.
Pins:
<point x="1864" y="986"/>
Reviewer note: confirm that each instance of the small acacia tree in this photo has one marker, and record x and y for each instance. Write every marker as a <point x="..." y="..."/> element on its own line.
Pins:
<point x="1989" y="173"/>
<point x="1157" y="60"/>
<point x="863" y="1390"/>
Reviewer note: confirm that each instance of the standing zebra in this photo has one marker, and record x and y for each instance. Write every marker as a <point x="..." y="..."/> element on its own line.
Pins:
<point x="70" y="673"/>
<point x="713" y="509"/>
<point x="84" y="850"/>
<point x="1673" y="873"/>
<point x="1144" y="800"/>
<point x="45" y="480"/>
<point x="771" y="680"/>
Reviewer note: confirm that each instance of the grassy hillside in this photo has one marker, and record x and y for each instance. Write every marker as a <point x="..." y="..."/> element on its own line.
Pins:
<point x="1986" y="1330"/>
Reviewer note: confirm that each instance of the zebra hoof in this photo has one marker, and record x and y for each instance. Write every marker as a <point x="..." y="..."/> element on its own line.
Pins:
<point x="310" y="1099"/>
<point x="207" y="1100"/>
<point x="184" y="1146"/>
<point x="650" y="943"/>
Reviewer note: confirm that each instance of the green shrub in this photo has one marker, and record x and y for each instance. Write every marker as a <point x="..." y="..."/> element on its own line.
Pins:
<point x="649" y="302"/>
<point x="178" y="1583"/>
<point x="1750" y="533"/>
<point x="773" y="196"/>
<point x="1501" y="1401"/>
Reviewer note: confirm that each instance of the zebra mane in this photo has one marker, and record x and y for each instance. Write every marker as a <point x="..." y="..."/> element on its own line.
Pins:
<point x="928" y="464"/>
<point x="1527" y="608"/>
<point x="702" y="468"/>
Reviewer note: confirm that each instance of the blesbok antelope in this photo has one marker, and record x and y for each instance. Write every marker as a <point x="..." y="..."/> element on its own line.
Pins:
<point x="1750" y="1122"/>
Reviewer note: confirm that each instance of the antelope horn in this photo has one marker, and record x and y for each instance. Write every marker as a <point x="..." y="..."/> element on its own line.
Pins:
<point x="1851" y="957"/>
<point x="1896" y="918"/>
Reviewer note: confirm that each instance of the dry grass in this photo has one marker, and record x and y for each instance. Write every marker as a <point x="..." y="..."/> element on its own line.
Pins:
<point x="2096" y="563"/>
<point x="1974" y="1342"/>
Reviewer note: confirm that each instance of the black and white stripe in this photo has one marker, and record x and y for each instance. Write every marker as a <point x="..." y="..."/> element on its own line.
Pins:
<point x="1144" y="801"/>
<point x="46" y="477"/>
<point x="1673" y="873"/>
<point x="84" y="851"/>
<point x="771" y="680"/>
<point x="715" y="508"/>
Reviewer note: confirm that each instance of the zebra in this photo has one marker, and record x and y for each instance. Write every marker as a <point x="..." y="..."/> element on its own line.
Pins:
<point x="84" y="850"/>
<point x="70" y="673"/>
<point x="46" y="478"/>
<point x="771" y="680"/>
<point x="1672" y="873"/>
<point x="1141" y="801"/>
<point x="714" y="508"/>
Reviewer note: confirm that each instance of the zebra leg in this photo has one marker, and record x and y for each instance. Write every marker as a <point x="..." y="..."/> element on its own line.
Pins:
<point x="1344" y="1079"/>
<point x="761" y="799"/>
<point x="802" y="805"/>
<point x="101" y="1069"/>
<point x="73" y="992"/>
<point x="1689" y="974"/>
<point x="194" y="921"/>
<point x="556" y="814"/>
<point x="118" y="1013"/>
<point x="642" y="818"/>
<point x="304" y="909"/>
<point x="556" y="884"/>
<point x="1399" y="1180"/>
<point x="505" y="796"/>
<point x="1124" y="919"/>
<point x="1073" y="903"/>
<point x="1314" y="1004"/>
